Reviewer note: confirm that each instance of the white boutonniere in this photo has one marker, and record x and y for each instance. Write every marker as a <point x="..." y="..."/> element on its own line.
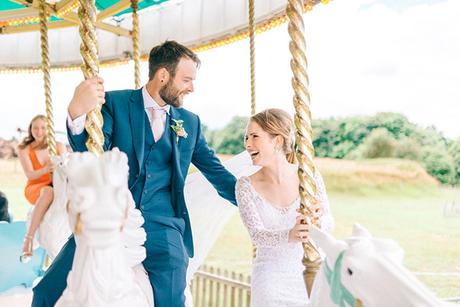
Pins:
<point x="178" y="128"/>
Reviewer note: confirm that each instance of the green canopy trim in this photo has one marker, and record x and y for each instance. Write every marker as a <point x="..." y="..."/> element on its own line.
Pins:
<point x="101" y="5"/>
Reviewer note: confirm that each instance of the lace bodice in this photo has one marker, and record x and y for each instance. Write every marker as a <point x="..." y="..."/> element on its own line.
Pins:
<point x="277" y="274"/>
<point x="269" y="226"/>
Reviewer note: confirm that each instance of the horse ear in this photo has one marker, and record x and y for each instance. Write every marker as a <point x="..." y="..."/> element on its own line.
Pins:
<point x="360" y="231"/>
<point x="327" y="243"/>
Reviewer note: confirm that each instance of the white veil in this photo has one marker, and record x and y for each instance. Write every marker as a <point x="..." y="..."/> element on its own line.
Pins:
<point x="209" y="212"/>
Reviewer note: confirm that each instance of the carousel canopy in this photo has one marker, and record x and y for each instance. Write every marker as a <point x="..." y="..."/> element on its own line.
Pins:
<point x="199" y="24"/>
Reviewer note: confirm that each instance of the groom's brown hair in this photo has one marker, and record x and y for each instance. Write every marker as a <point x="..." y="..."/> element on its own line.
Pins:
<point x="168" y="55"/>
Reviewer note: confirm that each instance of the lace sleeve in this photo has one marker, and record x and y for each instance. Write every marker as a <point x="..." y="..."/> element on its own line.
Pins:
<point x="327" y="221"/>
<point x="260" y="236"/>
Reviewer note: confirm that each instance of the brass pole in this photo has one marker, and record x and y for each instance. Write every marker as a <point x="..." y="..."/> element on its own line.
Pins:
<point x="252" y="34"/>
<point x="304" y="133"/>
<point x="90" y="68"/>
<point x="135" y="38"/>
<point x="50" y="136"/>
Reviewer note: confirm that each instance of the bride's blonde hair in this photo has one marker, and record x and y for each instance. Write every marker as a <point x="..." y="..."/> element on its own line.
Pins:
<point x="278" y="122"/>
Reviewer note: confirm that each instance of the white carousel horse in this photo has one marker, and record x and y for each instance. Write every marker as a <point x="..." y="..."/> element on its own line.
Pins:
<point x="107" y="267"/>
<point x="368" y="269"/>
<point x="54" y="230"/>
<point x="102" y="274"/>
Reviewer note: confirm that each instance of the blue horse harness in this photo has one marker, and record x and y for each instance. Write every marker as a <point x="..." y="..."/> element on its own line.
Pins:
<point x="339" y="294"/>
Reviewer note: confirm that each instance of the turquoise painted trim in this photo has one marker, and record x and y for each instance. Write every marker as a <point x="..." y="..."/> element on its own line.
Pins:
<point x="339" y="294"/>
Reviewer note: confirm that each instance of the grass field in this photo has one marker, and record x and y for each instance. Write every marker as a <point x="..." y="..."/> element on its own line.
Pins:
<point x="392" y="198"/>
<point x="430" y="240"/>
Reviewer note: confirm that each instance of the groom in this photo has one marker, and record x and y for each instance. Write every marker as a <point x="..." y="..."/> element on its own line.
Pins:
<point x="161" y="139"/>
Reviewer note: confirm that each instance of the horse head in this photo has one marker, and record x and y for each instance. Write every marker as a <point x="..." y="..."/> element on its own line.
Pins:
<point x="98" y="196"/>
<point x="370" y="270"/>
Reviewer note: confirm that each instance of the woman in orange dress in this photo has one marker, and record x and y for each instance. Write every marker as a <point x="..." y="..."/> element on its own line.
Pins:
<point x="37" y="167"/>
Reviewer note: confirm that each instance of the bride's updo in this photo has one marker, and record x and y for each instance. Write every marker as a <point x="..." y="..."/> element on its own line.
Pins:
<point x="278" y="122"/>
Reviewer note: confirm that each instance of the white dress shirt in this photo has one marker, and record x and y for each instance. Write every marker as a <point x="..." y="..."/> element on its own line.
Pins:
<point x="77" y="125"/>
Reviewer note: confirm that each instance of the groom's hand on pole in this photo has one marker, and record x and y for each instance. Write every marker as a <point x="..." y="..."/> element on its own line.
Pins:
<point x="88" y="94"/>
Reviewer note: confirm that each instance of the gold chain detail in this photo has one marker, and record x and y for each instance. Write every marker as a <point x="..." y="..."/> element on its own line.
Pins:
<point x="304" y="133"/>
<point x="68" y="8"/>
<point x="78" y="226"/>
<point x="50" y="136"/>
<point x="90" y="68"/>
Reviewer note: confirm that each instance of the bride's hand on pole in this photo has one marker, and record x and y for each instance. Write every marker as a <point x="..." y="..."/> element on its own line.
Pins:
<point x="299" y="233"/>
<point x="316" y="210"/>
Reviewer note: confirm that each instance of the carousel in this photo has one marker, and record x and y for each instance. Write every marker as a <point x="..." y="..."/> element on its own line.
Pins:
<point x="86" y="34"/>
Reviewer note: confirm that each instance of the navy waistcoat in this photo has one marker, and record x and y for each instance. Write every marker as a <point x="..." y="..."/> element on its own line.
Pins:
<point x="154" y="185"/>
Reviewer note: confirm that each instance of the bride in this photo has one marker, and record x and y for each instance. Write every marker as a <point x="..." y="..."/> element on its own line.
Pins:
<point x="268" y="202"/>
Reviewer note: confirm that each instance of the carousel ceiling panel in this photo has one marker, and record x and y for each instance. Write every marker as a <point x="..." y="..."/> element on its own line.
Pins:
<point x="191" y="22"/>
<point x="6" y="5"/>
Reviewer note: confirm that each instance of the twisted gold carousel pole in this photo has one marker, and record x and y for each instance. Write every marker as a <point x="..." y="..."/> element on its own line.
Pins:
<point x="135" y="38"/>
<point x="252" y="34"/>
<point x="90" y="68"/>
<point x="304" y="133"/>
<point x="50" y="136"/>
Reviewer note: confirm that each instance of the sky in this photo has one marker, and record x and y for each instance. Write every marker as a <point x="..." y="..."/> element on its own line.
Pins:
<point x="364" y="57"/>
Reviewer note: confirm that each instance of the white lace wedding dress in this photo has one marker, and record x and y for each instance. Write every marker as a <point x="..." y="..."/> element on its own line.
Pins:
<point x="277" y="275"/>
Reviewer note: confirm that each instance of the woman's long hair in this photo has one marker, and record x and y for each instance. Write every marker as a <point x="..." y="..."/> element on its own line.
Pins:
<point x="278" y="122"/>
<point x="30" y="138"/>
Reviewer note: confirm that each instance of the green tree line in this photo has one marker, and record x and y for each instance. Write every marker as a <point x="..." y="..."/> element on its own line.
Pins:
<point x="384" y="135"/>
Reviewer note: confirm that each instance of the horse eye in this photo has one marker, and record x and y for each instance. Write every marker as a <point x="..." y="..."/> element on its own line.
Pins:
<point x="350" y="272"/>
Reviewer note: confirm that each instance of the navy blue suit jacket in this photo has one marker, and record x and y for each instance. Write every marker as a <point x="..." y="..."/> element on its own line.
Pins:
<point x="124" y="117"/>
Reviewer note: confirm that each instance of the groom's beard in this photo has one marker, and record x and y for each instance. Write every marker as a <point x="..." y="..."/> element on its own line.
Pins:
<point x="171" y="94"/>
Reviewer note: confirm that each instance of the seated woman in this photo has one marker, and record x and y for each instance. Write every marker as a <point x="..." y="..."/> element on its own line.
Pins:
<point x="38" y="167"/>
<point x="268" y="202"/>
